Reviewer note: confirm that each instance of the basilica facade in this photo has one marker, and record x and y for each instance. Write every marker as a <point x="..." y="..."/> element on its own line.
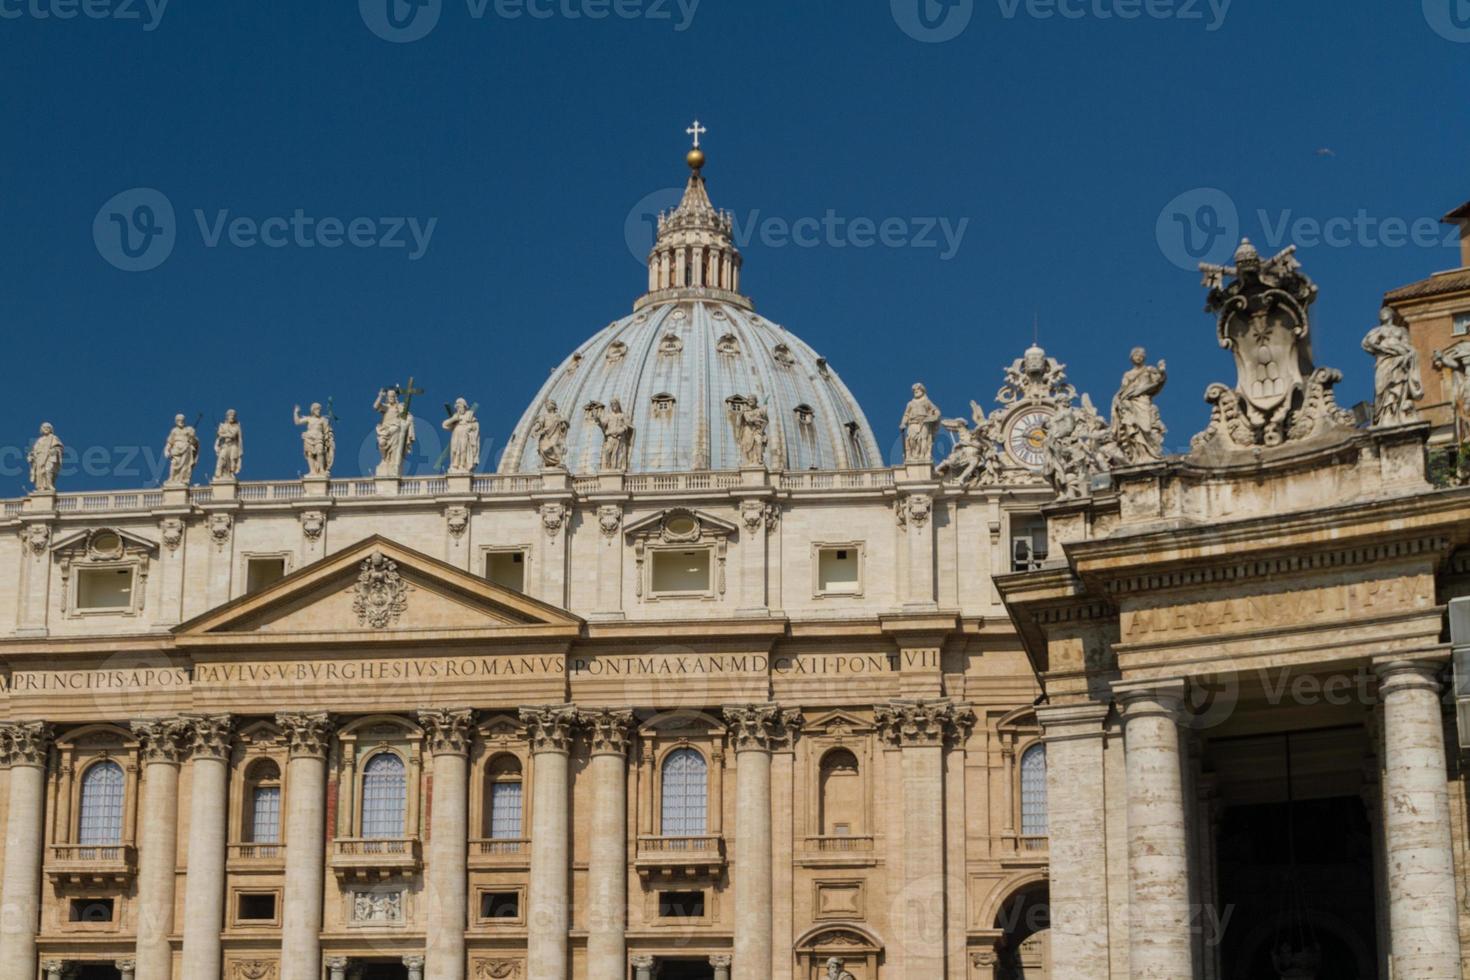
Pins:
<point x="696" y="686"/>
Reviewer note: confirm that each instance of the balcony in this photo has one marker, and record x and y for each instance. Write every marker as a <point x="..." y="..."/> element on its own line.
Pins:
<point x="1024" y="850"/>
<point x="500" y="853"/>
<point x="672" y="857"/>
<point x="256" y="857"/>
<point x="91" y="864"/>
<point x="838" y="851"/>
<point x="376" y="857"/>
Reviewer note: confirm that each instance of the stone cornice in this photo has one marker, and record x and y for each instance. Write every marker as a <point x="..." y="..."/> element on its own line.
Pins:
<point x="609" y="730"/>
<point x="163" y="740"/>
<point x="550" y="728"/>
<point x="25" y="743"/>
<point x="924" y="723"/>
<point x="308" y="734"/>
<point x="449" y="730"/>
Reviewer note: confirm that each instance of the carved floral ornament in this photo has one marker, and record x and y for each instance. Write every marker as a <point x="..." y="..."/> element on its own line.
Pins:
<point x="449" y="730"/>
<point x="172" y="530"/>
<point x="313" y="523"/>
<point x="381" y="594"/>
<point x="609" y="519"/>
<point x="763" y="727"/>
<point x="457" y="519"/>
<point x="757" y="514"/>
<point x="916" y="507"/>
<point x="497" y="969"/>
<point x="609" y="730"/>
<point x="924" y="723"/>
<point x="553" y="518"/>
<point x="550" y="728"/>
<point x="219" y="528"/>
<point x="253" y="970"/>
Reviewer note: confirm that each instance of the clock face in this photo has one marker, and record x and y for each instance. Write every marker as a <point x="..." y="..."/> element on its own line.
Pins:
<point x="1025" y="436"/>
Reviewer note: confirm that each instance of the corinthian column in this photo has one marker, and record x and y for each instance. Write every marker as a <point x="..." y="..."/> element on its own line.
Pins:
<point x="921" y="729"/>
<point x="550" y="730"/>
<point x="163" y="744"/>
<point x="445" y="880"/>
<point x="1158" y="848"/>
<point x="204" y="886"/>
<point x="308" y="736"/>
<point x="607" y="867"/>
<point x="1423" y="928"/>
<point x="24" y="748"/>
<point x="754" y="728"/>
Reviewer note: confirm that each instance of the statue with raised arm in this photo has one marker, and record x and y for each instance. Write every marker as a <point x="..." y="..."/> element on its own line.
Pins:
<point x="617" y="434"/>
<point x="229" y="447"/>
<point x="550" y="430"/>
<point x="464" y="438"/>
<point x="318" y="443"/>
<point x="920" y="420"/>
<point x="752" y="423"/>
<point x="1137" y="426"/>
<point x="181" y="449"/>
<point x="45" y="459"/>
<point x="1397" y="383"/>
<point x="395" y="431"/>
<point x="974" y="459"/>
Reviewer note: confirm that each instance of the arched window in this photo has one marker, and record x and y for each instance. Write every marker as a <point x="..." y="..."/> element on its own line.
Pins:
<point x="262" y="823"/>
<point x="1033" y="792"/>
<point x="384" y="796"/>
<point x="841" y="793"/>
<point x="504" y="799"/>
<point x="101" y="809"/>
<point x="685" y="794"/>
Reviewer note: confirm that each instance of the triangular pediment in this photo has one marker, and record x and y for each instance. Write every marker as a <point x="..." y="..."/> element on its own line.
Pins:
<point x="378" y="589"/>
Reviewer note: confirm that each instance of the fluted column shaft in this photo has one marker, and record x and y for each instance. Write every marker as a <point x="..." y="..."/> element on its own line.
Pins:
<point x="204" y="886"/>
<point x="1161" y="946"/>
<point x="607" y="866"/>
<point x="550" y="730"/>
<point x="446" y="880"/>
<point x="306" y="806"/>
<point x="163" y="744"/>
<point x="24" y="748"/>
<point x="1422" y="915"/>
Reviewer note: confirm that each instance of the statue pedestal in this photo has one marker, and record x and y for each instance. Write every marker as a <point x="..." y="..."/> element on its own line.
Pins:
<point x="610" y="482"/>
<point x="755" y="476"/>
<point x="914" y="473"/>
<point x="387" y="486"/>
<point x="459" y="484"/>
<point x="175" y="496"/>
<point x="41" y="501"/>
<point x="316" y="486"/>
<point x="556" y="478"/>
<point x="223" y="489"/>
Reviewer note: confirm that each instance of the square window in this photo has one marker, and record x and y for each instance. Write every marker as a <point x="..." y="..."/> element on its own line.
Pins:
<point x="105" y="589"/>
<point x="500" y="905"/>
<point x="507" y="569"/>
<point x="680" y="572"/>
<point x="839" y="571"/>
<point x="681" y="905"/>
<point x="1462" y="324"/>
<point x="262" y="572"/>
<point x="256" y="907"/>
<point x="91" y="910"/>
<point x="1028" y="542"/>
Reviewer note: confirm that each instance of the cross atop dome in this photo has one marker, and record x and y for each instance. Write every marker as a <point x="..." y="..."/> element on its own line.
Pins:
<point x="696" y="131"/>
<point x="695" y="158"/>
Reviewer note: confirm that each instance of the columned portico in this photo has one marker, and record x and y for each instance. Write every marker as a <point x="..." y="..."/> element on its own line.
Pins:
<point x="163" y="744"/>
<point x="1158" y="849"/>
<point x="446" y="887"/>
<point x="550" y="730"/>
<point x="204" y="885"/>
<point x="1422" y="908"/>
<point x="25" y="747"/>
<point x="607" y="868"/>
<point x="306" y="800"/>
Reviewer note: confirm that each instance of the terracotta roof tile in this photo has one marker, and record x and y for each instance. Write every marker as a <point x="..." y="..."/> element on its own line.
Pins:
<point x="1454" y="281"/>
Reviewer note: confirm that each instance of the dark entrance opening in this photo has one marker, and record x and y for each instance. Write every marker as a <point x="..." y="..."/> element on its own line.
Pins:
<point x="98" y="971"/>
<point x="1296" y="878"/>
<point x="685" y="970"/>
<point x="384" y="971"/>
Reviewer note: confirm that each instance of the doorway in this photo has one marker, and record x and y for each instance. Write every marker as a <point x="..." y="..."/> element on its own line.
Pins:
<point x="685" y="970"/>
<point x="384" y="971"/>
<point x="98" y="971"/>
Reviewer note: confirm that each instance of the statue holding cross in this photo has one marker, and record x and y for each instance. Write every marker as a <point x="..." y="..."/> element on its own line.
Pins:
<point x="395" y="430"/>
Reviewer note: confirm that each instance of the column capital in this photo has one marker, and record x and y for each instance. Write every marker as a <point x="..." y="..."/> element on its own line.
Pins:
<point x="610" y="730"/>
<point x="414" y="961"/>
<point x="550" y="727"/>
<point x="924" y="723"/>
<point x="721" y="961"/>
<point x="642" y="962"/>
<point x="763" y="727"/>
<point x="1399" y="675"/>
<point x="26" y="743"/>
<point x="336" y="962"/>
<point x="449" y="730"/>
<point x="209" y="736"/>
<point x="1140" y="699"/>
<point x="126" y="966"/>
<point x="162" y="740"/>
<point x="307" y="734"/>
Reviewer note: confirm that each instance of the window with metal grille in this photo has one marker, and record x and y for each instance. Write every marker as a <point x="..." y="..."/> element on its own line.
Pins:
<point x="101" y="818"/>
<point x="505" y="811"/>
<point x="1033" y="792"/>
<point x="265" y="815"/>
<point x="384" y="796"/>
<point x="685" y="794"/>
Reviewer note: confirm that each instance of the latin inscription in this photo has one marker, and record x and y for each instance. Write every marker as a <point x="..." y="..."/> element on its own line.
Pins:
<point x="1242" y="613"/>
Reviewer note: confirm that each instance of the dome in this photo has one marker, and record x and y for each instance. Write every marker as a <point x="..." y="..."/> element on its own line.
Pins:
<point x="689" y="357"/>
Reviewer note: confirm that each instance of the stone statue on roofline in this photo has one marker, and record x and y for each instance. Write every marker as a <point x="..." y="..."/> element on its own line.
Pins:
<point x="464" y="438"/>
<point x="617" y="434"/>
<point x="45" y="459"/>
<point x="752" y="425"/>
<point x="181" y="449"/>
<point x="229" y="448"/>
<point x="1397" y="383"/>
<point x="920" y="420"/>
<point x="550" y="430"/>
<point x="1137" y="426"/>
<point x="975" y="458"/>
<point x="1280" y="396"/>
<point x="318" y="442"/>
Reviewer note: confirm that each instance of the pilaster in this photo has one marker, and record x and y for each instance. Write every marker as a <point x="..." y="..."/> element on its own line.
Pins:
<point x="446" y="885"/>
<point x="164" y="744"/>
<point x="308" y="737"/>
<point x="209" y="741"/>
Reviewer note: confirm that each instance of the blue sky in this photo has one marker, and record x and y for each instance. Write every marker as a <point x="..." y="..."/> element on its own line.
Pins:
<point x="1055" y="140"/>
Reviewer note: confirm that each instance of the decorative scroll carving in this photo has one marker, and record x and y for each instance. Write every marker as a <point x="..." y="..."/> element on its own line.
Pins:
<point x="306" y="734"/>
<point x="609" y="520"/>
<point x="253" y="970"/>
<point x="553" y="517"/>
<point x="381" y="594"/>
<point x="172" y="531"/>
<point x="1263" y="319"/>
<point x="916" y="507"/>
<point x="38" y="538"/>
<point x="762" y="727"/>
<point x="210" y="736"/>
<point x="219" y="528"/>
<point x="448" y="729"/>
<point x="163" y="739"/>
<point x="25" y="743"/>
<point x="756" y="514"/>
<point x="457" y="519"/>
<point x="550" y="728"/>
<point x="609" y="730"/>
<point x="917" y="723"/>
<point x="313" y="524"/>
<point x="497" y="969"/>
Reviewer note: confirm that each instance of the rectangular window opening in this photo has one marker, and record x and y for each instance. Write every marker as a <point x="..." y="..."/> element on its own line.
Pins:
<point x="838" y="572"/>
<point x="91" y="909"/>
<point x="681" y="905"/>
<point x="105" y="588"/>
<point x="1028" y="542"/>
<point x="263" y="572"/>
<point x="681" y="572"/>
<point x="1462" y="324"/>
<point x="507" y="569"/>
<point x="257" y="907"/>
<point x="500" y="905"/>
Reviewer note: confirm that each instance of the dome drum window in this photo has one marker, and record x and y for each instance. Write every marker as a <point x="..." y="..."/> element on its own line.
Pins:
<point x="804" y="415"/>
<point x="663" y="405"/>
